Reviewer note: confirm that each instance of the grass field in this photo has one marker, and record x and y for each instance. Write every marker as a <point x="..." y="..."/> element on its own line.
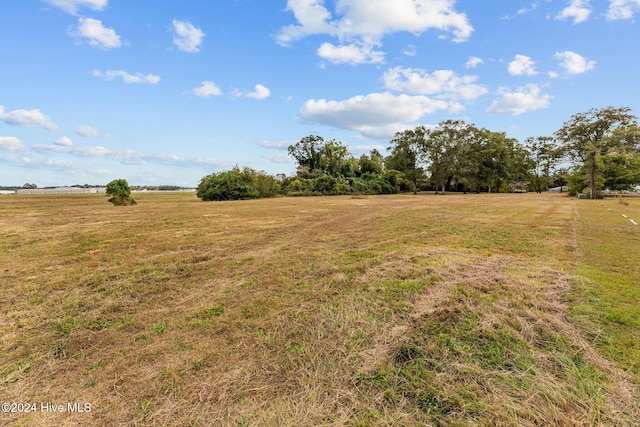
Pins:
<point x="456" y="310"/>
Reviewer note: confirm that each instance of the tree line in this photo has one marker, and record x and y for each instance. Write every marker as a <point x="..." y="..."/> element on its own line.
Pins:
<point x="591" y="151"/>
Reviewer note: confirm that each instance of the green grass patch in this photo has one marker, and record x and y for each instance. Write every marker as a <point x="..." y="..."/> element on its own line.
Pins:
<point x="606" y="299"/>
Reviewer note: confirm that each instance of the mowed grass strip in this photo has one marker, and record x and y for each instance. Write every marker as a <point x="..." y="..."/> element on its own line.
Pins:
<point x="384" y="310"/>
<point x="608" y="294"/>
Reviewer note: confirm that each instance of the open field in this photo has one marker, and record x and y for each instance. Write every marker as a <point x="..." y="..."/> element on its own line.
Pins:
<point x="519" y="309"/>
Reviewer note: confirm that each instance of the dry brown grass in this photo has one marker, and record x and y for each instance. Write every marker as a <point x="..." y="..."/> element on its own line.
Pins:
<point x="384" y="310"/>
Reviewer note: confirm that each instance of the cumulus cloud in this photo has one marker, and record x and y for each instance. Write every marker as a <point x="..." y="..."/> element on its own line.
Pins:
<point x="522" y="65"/>
<point x="350" y="54"/>
<point x="111" y="75"/>
<point x="473" y="62"/>
<point x="98" y="35"/>
<point x="89" y="132"/>
<point x="187" y="38"/>
<point x="574" y="63"/>
<point x="622" y="9"/>
<point x="361" y="23"/>
<point x="27" y="118"/>
<point x="444" y="84"/>
<point x="377" y="115"/>
<point x="578" y="10"/>
<point x="312" y="17"/>
<point x="10" y="143"/>
<point x="526" y="98"/>
<point x="206" y="89"/>
<point x="260" y="92"/>
<point x="72" y="6"/>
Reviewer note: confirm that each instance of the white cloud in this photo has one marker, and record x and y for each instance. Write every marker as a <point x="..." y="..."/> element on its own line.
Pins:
<point x="275" y="145"/>
<point x="98" y="35"/>
<point x="578" y="10"/>
<point x="441" y="83"/>
<point x="132" y="157"/>
<point x="111" y="75"/>
<point x="410" y="50"/>
<point x="313" y="18"/>
<point x="473" y="62"/>
<point x="10" y="143"/>
<point x="526" y="98"/>
<point x="350" y="54"/>
<point x="574" y="63"/>
<point x="378" y="115"/>
<point x="622" y="9"/>
<point x="65" y="145"/>
<point x="188" y="38"/>
<point x="27" y="118"/>
<point x="531" y="8"/>
<point x="64" y="141"/>
<point x="260" y="92"/>
<point x="89" y="132"/>
<point x="522" y="65"/>
<point x="72" y="6"/>
<point x="206" y="89"/>
<point x="379" y="17"/>
<point x="362" y="23"/>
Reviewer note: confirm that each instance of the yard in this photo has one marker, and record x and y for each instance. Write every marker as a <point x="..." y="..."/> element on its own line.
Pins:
<point x="477" y="309"/>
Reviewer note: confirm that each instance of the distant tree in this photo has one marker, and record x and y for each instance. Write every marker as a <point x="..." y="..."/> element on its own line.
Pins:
<point x="333" y="154"/>
<point x="307" y="152"/>
<point x="237" y="184"/>
<point x="406" y="148"/>
<point x="586" y="137"/>
<point x="29" y="186"/>
<point x="621" y="170"/>
<point x="561" y="177"/>
<point x="120" y="193"/>
<point x="372" y="163"/>
<point x="315" y="156"/>
<point x="544" y="157"/>
<point x="504" y="157"/>
<point x="443" y="150"/>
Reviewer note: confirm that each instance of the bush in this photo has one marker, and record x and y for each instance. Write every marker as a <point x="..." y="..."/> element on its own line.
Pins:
<point x="237" y="184"/>
<point x="120" y="193"/>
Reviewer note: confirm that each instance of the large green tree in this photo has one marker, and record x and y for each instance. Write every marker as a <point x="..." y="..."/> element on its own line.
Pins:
<point x="586" y="137"/>
<point x="307" y="151"/>
<point x="544" y="157"/>
<point x="332" y="156"/>
<point x="442" y="150"/>
<point x="500" y="159"/>
<point x="237" y="184"/>
<point x="405" y="149"/>
<point x="316" y="156"/>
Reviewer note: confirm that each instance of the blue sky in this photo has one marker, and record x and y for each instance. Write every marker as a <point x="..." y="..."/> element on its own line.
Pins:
<point x="166" y="92"/>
